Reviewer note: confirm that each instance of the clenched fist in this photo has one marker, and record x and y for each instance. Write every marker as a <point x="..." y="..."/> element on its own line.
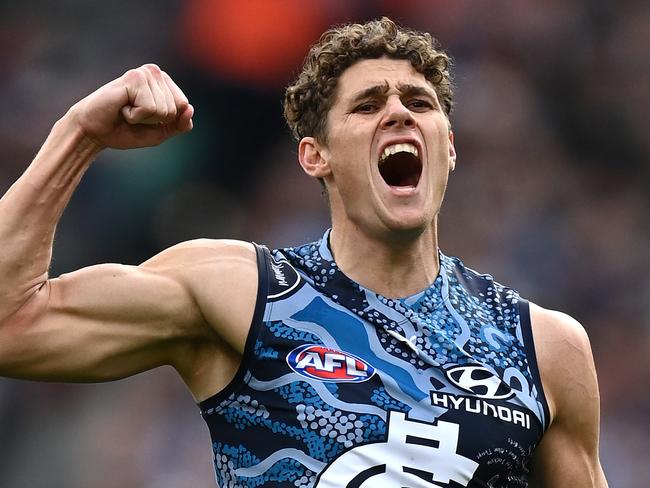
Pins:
<point x="143" y="107"/>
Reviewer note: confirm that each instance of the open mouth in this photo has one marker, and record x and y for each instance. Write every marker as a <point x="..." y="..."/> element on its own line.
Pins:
<point x="400" y="165"/>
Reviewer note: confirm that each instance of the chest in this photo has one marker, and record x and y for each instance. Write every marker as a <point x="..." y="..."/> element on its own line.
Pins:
<point x="342" y="387"/>
<point x="410" y="389"/>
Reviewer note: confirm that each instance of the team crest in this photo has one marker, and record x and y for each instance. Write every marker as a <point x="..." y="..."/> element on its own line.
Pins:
<point x="326" y="364"/>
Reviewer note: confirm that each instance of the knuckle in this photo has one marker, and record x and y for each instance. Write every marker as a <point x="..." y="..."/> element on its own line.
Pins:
<point x="181" y="103"/>
<point x="154" y="69"/>
<point x="134" y="75"/>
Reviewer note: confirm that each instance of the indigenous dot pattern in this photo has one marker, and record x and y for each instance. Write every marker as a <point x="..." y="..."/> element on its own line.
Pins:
<point x="279" y="329"/>
<point x="345" y="429"/>
<point x="282" y="428"/>
<point x="228" y="457"/>
<point x="491" y="315"/>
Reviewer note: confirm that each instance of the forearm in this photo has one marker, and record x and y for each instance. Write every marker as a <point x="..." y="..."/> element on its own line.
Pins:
<point x="32" y="207"/>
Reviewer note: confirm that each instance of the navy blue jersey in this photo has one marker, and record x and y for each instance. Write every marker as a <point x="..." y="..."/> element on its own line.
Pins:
<point x="340" y="387"/>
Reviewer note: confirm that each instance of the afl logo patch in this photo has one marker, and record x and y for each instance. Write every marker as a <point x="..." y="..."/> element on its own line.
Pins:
<point x="284" y="279"/>
<point x="326" y="364"/>
<point x="479" y="381"/>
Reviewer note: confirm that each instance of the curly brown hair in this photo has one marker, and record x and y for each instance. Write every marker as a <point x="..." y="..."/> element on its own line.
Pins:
<point x="308" y="100"/>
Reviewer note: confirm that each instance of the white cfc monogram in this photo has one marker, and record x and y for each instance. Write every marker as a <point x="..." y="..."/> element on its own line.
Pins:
<point x="415" y="455"/>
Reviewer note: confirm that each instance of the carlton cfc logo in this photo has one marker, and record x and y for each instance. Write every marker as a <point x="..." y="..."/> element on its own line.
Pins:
<point x="327" y="364"/>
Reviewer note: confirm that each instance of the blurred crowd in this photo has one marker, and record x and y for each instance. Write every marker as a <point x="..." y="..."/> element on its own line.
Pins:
<point x="550" y="194"/>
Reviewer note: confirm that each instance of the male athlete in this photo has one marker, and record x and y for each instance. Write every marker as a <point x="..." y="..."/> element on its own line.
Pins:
<point x="366" y="359"/>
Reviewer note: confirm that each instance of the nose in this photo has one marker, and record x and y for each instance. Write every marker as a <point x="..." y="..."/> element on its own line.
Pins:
<point x="397" y="115"/>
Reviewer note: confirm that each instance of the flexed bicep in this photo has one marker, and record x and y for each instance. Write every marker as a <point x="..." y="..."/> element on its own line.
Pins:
<point x="105" y="321"/>
<point x="99" y="323"/>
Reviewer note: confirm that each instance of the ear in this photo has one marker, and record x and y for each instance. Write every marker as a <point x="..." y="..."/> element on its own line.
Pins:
<point x="452" y="151"/>
<point x="313" y="158"/>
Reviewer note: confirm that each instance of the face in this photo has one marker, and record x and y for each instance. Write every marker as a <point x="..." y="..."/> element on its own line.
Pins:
<point x="389" y="149"/>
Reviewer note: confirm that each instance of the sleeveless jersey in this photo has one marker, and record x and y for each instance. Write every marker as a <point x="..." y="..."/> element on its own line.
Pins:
<point x="340" y="387"/>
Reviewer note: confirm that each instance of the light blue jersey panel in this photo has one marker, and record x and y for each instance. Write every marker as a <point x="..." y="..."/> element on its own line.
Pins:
<point x="343" y="388"/>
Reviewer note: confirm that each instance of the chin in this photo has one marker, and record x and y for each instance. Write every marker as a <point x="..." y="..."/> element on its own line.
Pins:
<point x="408" y="225"/>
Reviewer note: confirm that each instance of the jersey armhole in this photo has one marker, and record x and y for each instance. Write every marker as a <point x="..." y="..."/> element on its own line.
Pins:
<point x="529" y="346"/>
<point x="238" y="380"/>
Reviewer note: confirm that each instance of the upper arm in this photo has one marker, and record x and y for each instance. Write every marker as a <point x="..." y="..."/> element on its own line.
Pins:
<point x="109" y="321"/>
<point x="567" y="456"/>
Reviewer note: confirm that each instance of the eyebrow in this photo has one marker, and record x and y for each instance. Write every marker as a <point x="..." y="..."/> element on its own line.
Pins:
<point x="382" y="89"/>
<point x="371" y="92"/>
<point x="417" y="90"/>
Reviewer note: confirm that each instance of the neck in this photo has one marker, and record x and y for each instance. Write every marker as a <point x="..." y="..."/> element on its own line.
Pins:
<point x="395" y="267"/>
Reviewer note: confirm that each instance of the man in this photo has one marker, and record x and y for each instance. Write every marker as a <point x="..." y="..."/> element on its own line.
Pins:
<point x="368" y="358"/>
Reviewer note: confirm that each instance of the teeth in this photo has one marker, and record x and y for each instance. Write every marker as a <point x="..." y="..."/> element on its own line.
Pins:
<point x="395" y="148"/>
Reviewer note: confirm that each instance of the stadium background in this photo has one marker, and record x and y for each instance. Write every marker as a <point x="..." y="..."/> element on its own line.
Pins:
<point x="550" y="194"/>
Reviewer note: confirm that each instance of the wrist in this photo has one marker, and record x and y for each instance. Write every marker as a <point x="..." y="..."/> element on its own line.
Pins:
<point x="70" y="126"/>
<point x="69" y="144"/>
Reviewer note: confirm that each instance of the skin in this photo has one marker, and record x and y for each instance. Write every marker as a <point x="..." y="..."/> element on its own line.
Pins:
<point x="388" y="242"/>
<point x="383" y="237"/>
<point x="567" y="456"/>
<point x="184" y="307"/>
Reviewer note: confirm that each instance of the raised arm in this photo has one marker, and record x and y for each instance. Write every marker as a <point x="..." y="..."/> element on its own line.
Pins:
<point x="568" y="453"/>
<point x="189" y="306"/>
<point x="141" y="108"/>
<point x="105" y="321"/>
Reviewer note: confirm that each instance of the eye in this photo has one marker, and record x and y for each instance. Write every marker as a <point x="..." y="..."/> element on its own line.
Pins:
<point x="419" y="105"/>
<point x="367" y="108"/>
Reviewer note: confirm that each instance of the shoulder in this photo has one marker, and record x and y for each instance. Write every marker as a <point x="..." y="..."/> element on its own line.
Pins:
<point x="222" y="279"/>
<point x="568" y="452"/>
<point x="559" y="328"/>
<point x="202" y="262"/>
<point x="220" y="275"/>
<point x="204" y="251"/>
<point x="565" y="360"/>
<point x="222" y="267"/>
